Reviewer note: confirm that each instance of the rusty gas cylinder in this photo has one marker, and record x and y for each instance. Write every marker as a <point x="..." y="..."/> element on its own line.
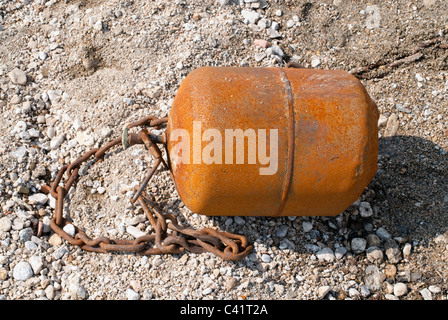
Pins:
<point x="271" y="141"/>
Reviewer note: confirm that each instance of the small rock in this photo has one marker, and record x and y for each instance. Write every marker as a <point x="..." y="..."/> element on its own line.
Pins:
<point x="419" y="77"/>
<point x="250" y="16"/>
<point x="434" y="289"/>
<point x="392" y="125"/>
<point x="239" y="220"/>
<point x="315" y="62"/>
<point x="25" y="234"/>
<point x="323" y="291"/>
<point x="262" y="43"/>
<point x="57" y="141"/>
<point x="407" y="250"/>
<point x="76" y="290"/>
<point x="36" y="264"/>
<point x="339" y="252"/>
<point x="282" y="231"/>
<point x="307" y="226"/>
<point x="16" y="99"/>
<point x="5" y="224"/>
<point x="84" y="139"/>
<point x="365" y="210"/>
<point x="390" y="271"/>
<point x="266" y="258"/>
<point x="382" y="121"/>
<point x="132" y="295"/>
<point x="374" y="255"/>
<point x="135" y="232"/>
<point x="22" y="271"/>
<point x="59" y="253"/>
<point x="55" y="240"/>
<point x="18" y="77"/>
<point x="426" y="294"/>
<point x="358" y="245"/>
<point x="365" y="292"/>
<point x="70" y="229"/>
<point x="383" y="233"/>
<point x="400" y="289"/>
<point x="38" y="199"/>
<point x="373" y="240"/>
<point x="393" y="252"/>
<point x="325" y="254"/>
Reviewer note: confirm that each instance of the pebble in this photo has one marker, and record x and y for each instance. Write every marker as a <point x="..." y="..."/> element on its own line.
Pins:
<point x="85" y="139"/>
<point x="55" y="240"/>
<point x="38" y="199"/>
<point x="383" y="233"/>
<point x="373" y="240"/>
<point x="400" y="289"/>
<point x="434" y="289"/>
<point x="407" y="250"/>
<point x="132" y="295"/>
<point x="307" y="226"/>
<point x="262" y="43"/>
<point x="374" y="255"/>
<point x="135" y="232"/>
<point x="251" y="16"/>
<point x="56" y="142"/>
<point x="282" y="231"/>
<point x="390" y="271"/>
<point x="70" y="229"/>
<point x="393" y="252"/>
<point x="36" y="263"/>
<point x="266" y="258"/>
<point x="325" y="254"/>
<point x="5" y="224"/>
<point x="22" y="271"/>
<point x="392" y="125"/>
<point x="339" y="252"/>
<point x="365" y="210"/>
<point x="358" y="245"/>
<point x="323" y="291"/>
<point x="315" y="62"/>
<point x="426" y="294"/>
<point x="239" y="220"/>
<point x="18" y="77"/>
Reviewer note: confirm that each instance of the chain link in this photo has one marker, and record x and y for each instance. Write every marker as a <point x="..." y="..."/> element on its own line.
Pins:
<point x="169" y="237"/>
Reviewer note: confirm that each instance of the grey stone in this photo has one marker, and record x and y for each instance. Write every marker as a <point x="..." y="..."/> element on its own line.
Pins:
<point x="365" y="210"/>
<point x="307" y="226"/>
<point x="250" y="16"/>
<point x="358" y="245"/>
<point x="25" y="234"/>
<point x="383" y="233"/>
<point x="282" y="231"/>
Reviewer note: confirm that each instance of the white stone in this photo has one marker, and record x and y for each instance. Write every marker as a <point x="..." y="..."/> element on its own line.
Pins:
<point x="57" y="141"/>
<point x="38" y="199"/>
<point x="250" y="16"/>
<point x="85" y="139"/>
<point x="22" y="271"/>
<point x="426" y="294"/>
<point x="132" y="295"/>
<point x="18" y="77"/>
<point x="70" y="229"/>
<point x="315" y="62"/>
<point x="36" y="263"/>
<point x="135" y="232"/>
<point x="400" y="289"/>
<point x="5" y="224"/>
<point x="325" y="254"/>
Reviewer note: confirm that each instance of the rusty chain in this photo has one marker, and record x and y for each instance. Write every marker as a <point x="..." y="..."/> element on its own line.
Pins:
<point x="169" y="236"/>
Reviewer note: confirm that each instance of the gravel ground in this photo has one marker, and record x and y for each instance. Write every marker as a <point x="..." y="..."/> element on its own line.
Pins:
<point x="72" y="73"/>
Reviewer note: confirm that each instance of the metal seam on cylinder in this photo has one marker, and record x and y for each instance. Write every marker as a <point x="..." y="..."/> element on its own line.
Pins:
<point x="291" y="125"/>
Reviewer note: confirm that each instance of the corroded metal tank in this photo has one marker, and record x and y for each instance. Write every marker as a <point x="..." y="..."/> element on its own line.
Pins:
<point x="271" y="141"/>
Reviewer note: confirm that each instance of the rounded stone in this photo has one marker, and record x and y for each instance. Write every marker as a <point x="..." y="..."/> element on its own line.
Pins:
<point x="22" y="271"/>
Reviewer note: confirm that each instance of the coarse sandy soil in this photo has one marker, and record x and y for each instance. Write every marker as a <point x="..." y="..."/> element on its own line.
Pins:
<point x="94" y="66"/>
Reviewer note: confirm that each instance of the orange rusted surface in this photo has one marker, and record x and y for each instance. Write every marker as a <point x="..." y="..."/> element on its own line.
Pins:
<point x="327" y="140"/>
